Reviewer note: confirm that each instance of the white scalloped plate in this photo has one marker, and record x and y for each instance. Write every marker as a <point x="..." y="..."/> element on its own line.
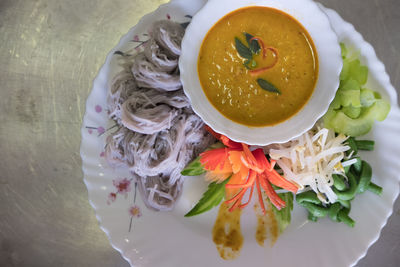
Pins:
<point x="317" y="24"/>
<point x="169" y="239"/>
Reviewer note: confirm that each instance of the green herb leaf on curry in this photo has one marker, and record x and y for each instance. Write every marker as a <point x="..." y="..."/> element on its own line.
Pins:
<point x="268" y="86"/>
<point x="242" y="49"/>
<point x="246" y="64"/>
<point x="211" y="198"/>
<point x="253" y="44"/>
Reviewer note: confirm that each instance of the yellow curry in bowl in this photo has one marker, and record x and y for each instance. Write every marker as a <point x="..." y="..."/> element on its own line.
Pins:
<point x="258" y="66"/>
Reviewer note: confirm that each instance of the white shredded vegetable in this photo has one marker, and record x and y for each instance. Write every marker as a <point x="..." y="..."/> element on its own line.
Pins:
<point x="311" y="159"/>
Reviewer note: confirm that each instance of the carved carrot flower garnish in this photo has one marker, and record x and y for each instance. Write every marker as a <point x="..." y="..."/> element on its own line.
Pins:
<point x="246" y="170"/>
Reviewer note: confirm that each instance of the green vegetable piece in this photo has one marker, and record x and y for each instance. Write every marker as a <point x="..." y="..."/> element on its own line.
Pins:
<point x="358" y="72"/>
<point x="379" y="110"/>
<point x="377" y="95"/>
<point x="349" y="98"/>
<point x="376" y="189"/>
<point x="253" y="44"/>
<point x="354" y="110"/>
<point x="344" y="217"/>
<point x="340" y="123"/>
<point x="311" y="217"/>
<point x="349" y="85"/>
<point x="353" y="147"/>
<point x="346" y="169"/>
<point x="367" y="145"/>
<point x="351" y="111"/>
<point x="276" y="187"/>
<point x="367" y="97"/>
<point x="358" y="165"/>
<point x="283" y="216"/>
<point x="315" y="210"/>
<point x="343" y="50"/>
<point x="334" y="210"/>
<point x="194" y="168"/>
<point x="268" y="86"/>
<point x="365" y="177"/>
<point x="243" y="50"/>
<point x="350" y="192"/>
<point x="253" y="63"/>
<point x="345" y="203"/>
<point x="211" y="198"/>
<point x="338" y="182"/>
<point x="329" y="118"/>
<point x="335" y="104"/>
<point x="308" y="196"/>
<point x="344" y="74"/>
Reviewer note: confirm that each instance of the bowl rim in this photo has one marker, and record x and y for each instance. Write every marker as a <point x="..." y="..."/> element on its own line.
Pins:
<point x="316" y="22"/>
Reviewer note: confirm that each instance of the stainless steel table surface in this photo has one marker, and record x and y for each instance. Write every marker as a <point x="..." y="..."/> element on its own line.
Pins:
<point x="50" y="52"/>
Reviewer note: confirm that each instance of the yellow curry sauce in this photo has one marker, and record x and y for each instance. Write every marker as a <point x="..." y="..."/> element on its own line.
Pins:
<point x="266" y="223"/>
<point x="227" y="235"/>
<point x="228" y="84"/>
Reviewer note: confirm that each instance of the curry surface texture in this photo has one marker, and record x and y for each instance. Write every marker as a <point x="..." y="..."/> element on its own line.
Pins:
<point x="229" y="85"/>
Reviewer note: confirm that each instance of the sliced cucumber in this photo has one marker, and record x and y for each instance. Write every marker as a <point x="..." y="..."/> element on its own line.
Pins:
<point x="358" y="72"/>
<point x="341" y="123"/>
<point x="352" y="112"/>
<point x="349" y="97"/>
<point x="349" y="84"/>
<point x="367" y="97"/>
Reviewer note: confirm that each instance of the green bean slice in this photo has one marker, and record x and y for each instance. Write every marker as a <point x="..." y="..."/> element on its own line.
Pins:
<point x="311" y="217"/>
<point x="347" y="169"/>
<point x="345" y="203"/>
<point x="350" y="192"/>
<point x="308" y="196"/>
<point x="344" y="217"/>
<point x="352" y="144"/>
<point x="358" y="165"/>
<point x="365" y="144"/>
<point x="365" y="177"/>
<point x="315" y="210"/>
<point x="374" y="188"/>
<point x="334" y="210"/>
<point x="338" y="182"/>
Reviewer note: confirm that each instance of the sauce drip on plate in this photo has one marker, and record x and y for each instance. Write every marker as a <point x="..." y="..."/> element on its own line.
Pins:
<point x="227" y="235"/>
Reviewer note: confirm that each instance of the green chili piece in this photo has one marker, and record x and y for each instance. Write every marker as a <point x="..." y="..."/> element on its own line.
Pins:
<point x="308" y="196"/>
<point x="365" y="145"/>
<point x="350" y="192"/>
<point x="338" y="182"/>
<point x="344" y="217"/>
<point x="365" y="177"/>
<point x="376" y="189"/>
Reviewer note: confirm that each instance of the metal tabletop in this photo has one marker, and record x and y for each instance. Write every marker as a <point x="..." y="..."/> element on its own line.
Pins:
<point x="50" y="52"/>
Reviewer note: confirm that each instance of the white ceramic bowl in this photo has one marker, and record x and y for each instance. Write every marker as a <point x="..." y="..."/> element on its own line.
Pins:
<point x="330" y="65"/>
